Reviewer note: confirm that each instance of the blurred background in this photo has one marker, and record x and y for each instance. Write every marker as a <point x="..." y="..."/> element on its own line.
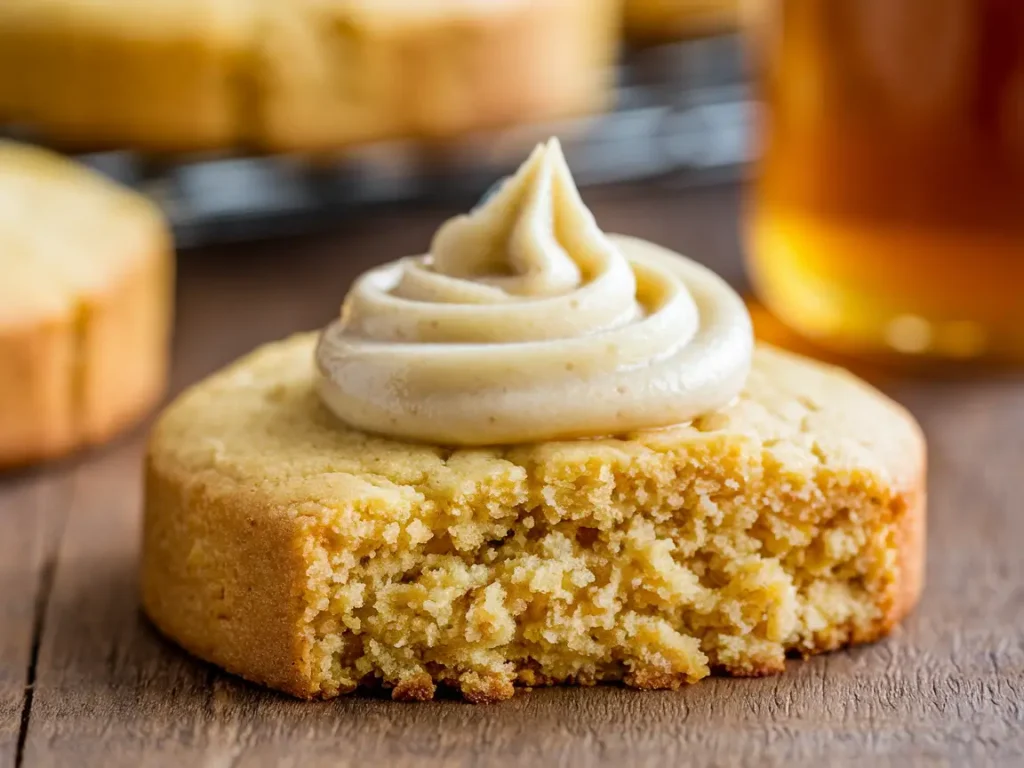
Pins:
<point x="335" y="133"/>
<point x="860" y="163"/>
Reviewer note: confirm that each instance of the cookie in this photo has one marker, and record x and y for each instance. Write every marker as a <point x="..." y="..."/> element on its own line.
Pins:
<point x="336" y="73"/>
<point x="315" y="558"/>
<point x="302" y="75"/>
<point x="162" y="75"/>
<point x="85" y="305"/>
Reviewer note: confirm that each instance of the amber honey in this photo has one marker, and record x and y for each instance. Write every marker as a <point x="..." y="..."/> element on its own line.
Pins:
<point x="887" y="212"/>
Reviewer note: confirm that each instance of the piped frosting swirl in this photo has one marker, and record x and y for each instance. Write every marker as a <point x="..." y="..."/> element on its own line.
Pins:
<point x="526" y="323"/>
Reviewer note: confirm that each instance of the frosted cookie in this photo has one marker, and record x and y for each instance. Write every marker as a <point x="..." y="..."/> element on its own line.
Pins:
<point x="538" y="454"/>
<point x="85" y="305"/>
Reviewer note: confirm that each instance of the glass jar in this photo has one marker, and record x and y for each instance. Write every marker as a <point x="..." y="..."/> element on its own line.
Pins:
<point x="887" y="210"/>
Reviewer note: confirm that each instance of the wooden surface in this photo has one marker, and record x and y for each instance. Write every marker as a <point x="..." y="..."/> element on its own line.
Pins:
<point x="85" y="681"/>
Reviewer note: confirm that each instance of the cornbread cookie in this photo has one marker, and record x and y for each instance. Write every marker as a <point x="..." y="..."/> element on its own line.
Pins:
<point x="332" y="73"/>
<point x="315" y="559"/>
<point x="85" y="291"/>
<point x="654" y="21"/>
<point x="163" y="74"/>
<point x="309" y="75"/>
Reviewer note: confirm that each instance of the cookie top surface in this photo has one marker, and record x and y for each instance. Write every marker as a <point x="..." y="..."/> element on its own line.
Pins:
<point x="258" y="428"/>
<point x="66" y="233"/>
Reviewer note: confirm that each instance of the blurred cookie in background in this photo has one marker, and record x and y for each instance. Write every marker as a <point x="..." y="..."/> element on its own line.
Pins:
<point x="85" y="306"/>
<point x="161" y="75"/>
<point x="306" y="75"/>
<point x="341" y="72"/>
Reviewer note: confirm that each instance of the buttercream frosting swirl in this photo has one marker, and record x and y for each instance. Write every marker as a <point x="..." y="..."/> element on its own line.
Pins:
<point x="526" y="323"/>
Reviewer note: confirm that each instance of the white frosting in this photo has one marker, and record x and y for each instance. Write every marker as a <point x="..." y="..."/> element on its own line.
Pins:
<point x="526" y="323"/>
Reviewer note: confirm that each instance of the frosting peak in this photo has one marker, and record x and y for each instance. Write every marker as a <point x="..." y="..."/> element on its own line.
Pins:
<point x="512" y="242"/>
<point x="527" y="323"/>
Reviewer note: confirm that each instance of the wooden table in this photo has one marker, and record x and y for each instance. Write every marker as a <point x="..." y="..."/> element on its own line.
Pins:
<point x="85" y="681"/>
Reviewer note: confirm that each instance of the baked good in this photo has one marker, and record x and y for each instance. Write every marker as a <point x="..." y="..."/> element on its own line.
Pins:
<point x="160" y="75"/>
<point x="85" y="303"/>
<point x="178" y="75"/>
<point x="313" y="558"/>
<point x="332" y="73"/>
<point x="659" y="21"/>
<point x="779" y="506"/>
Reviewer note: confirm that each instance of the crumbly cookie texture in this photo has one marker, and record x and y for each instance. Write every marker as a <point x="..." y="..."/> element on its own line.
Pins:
<point x="316" y="559"/>
<point x="86" y="279"/>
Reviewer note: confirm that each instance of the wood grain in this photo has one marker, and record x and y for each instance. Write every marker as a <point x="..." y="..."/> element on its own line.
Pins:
<point x="947" y="689"/>
<point x="31" y="517"/>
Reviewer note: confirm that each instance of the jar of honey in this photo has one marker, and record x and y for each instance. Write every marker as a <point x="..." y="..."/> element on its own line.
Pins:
<point x="887" y="211"/>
